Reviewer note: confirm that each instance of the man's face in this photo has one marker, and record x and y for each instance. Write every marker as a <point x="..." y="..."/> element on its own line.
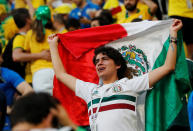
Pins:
<point x="130" y="5"/>
<point x="105" y="66"/>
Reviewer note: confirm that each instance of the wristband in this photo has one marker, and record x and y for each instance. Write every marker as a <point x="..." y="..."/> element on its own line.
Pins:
<point x="173" y="40"/>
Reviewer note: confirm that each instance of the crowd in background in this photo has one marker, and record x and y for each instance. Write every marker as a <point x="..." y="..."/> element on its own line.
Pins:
<point x="26" y="24"/>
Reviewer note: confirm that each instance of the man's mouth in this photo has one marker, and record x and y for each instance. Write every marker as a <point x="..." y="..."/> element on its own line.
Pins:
<point x="100" y="69"/>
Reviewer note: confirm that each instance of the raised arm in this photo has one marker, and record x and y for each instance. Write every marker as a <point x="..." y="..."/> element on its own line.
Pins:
<point x="152" y="5"/>
<point x="60" y="72"/>
<point x="170" y="62"/>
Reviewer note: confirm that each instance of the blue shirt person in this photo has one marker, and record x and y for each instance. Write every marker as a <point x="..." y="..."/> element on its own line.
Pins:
<point x="80" y="13"/>
<point x="11" y="83"/>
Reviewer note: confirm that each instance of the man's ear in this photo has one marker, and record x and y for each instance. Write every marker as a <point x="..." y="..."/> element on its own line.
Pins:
<point x="47" y="122"/>
<point x="118" y="67"/>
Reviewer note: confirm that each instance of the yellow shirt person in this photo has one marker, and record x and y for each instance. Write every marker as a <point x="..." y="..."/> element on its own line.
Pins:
<point x="183" y="8"/>
<point x="35" y="47"/>
<point x="143" y="12"/>
<point x="18" y="42"/>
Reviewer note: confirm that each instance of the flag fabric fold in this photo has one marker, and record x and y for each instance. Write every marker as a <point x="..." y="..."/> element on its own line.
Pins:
<point x="144" y="46"/>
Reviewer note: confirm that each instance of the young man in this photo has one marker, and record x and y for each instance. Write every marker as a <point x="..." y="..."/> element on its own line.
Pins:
<point x="38" y="111"/>
<point x="111" y="105"/>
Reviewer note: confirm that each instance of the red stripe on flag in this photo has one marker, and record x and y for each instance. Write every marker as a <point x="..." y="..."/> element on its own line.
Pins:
<point x="114" y="106"/>
<point x="81" y="41"/>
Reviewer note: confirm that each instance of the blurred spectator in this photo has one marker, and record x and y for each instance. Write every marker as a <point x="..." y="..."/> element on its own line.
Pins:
<point x="38" y="111"/>
<point x="22" y="21"/>
<point x="56" y="3"/>
<point x="64" y="9"/>
<point x="10" y="83"/>
<point x="107" y="14"/>
<point x="3" y="107"/>
<point x="59" y="23"/>
<point x="36" y="42"/>
<point x="84" y="12"/>
<point x="162" y="10"/>
<point x="8" y="24"/>
<point x="132" y="9"/>
<point x="99" y="21"/>
<point x="184" y="10"/>
<point x="3" y="13"/>
<point x="72" y="24"/>
<point x="18" y="55"/>
<point x="61" y="16"/>
<point x="100" y="3"/>
<point x="23" y="3"/>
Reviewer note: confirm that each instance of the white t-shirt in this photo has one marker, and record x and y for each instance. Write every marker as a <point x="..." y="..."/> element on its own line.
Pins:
<point x="117" y="111"/>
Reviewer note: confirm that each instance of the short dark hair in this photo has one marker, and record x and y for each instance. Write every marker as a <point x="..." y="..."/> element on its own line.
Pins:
<point x="116" y="56"/>
<point x="107" y="14"/>
<point x="20" y="17"/>
<point x="102" y="20"/>
<point x="72" y="23"/>
<point x="32" y="108"/>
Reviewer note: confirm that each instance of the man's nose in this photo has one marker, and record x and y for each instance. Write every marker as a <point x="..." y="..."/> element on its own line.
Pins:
<point x="100" y="62"/>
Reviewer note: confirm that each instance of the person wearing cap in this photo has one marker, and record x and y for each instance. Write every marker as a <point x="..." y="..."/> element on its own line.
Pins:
<point x="61" y="16"/>
<point x="35" y="42"/>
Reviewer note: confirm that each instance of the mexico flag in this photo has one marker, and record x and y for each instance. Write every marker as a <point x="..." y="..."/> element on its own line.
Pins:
<point x="144" y="46"/>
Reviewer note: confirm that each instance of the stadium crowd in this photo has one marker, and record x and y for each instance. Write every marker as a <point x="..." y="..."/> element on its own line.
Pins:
<point x="27" y="72"/>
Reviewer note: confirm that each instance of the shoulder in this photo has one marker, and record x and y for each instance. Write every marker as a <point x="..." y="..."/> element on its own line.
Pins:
<point x="83" y="83"/>
<point x="29" y="33"/>
<point x="19" y="38"/>
<point x="135" y="79"/>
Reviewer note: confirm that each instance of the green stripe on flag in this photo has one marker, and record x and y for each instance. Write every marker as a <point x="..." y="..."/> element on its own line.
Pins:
<point x="112" y="98"/>
<point x="163" y="102"/>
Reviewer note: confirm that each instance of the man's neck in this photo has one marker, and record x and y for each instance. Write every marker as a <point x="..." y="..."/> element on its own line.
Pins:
<point x="25" y="126"/>
<point x="109" y="80"/>
<point x="23" y="30"/>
